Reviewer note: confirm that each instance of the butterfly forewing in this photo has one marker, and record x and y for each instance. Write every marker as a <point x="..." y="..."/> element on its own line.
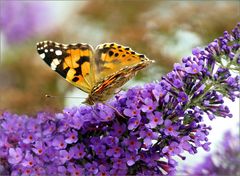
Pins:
<point x="112" y="57"/>
<point x="71" y="61"/>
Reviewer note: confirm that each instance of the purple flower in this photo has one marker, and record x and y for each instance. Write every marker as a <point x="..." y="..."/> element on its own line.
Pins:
<point x="110" y="140"/>
<point x="114" y="151"/>
<point x="118" y="129"/>
<point x="172" y="149"/>
<point x="29" y="138"/>
<point x="106" y="113"/>
<point x="148" y="135"/>
<point x="65" y="155"/>
<point x="72" y="137"/>
<point x="186" y="144"/>
<point x="100" y="150"/>
<point x="103" y="171"/>
<point x="154" y="119"/>
<point x="77" y="151"/>
<point x="4" y="145"/>
<point x="158" y="92"/>
<point x="170" y="129"/>
<point x="76" y="121"/>
<point x="148" y="105"/>
<point x="59" y="142"/>
<point x="15" y="155"/>
<point x="62" y="170"/>
<point x="193" y="69"/>
<point x="133" y="123"/>
<point x="92" y="168"/>
<point x="132" y="144"/>
<point x="131" y="112"/>
<point x="29" y="160"/>
<point x="119" y="163"/>
<point x="38" y="148"/>
<point x="75" y="170"/>
<point x="132" y="158"/>
<point x="182" y="97"/>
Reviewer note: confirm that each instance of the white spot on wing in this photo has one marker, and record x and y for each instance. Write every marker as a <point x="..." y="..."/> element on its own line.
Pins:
<point x="58" y="52"/>
<point x="42" y="55"/>
<point x="53" y="66"/>
<point x="46" y="50"/>
<point x="56" y="61"/>
<point x="51" y="50"/>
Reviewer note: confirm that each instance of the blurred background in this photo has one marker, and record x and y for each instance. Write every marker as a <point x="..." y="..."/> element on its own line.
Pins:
<point x="162" y="30"/>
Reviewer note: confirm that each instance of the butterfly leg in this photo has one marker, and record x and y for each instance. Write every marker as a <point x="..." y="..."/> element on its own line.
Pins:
<point x="94" y="111"/>
<point x="119" y="90"/>
<point x="110" y="106"/>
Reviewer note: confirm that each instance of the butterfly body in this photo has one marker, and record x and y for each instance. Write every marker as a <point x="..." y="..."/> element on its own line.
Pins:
<point x="97" y="72"/>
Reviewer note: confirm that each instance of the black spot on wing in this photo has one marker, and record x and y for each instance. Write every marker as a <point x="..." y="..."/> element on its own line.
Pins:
<point x="75" y="79"/>
<point x="61" y="71"/>
<point x="80" y="62"/>
<point x="110" y="53"/>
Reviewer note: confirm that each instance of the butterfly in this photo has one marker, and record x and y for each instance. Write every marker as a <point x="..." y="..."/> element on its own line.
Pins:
<point x="98" y="72"/>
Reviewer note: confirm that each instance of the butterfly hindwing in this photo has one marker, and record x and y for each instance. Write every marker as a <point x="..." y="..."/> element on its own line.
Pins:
<point x="71" y="61"/>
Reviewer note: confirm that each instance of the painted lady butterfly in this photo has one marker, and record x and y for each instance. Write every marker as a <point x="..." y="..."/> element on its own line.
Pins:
<point x="97" y="72"/>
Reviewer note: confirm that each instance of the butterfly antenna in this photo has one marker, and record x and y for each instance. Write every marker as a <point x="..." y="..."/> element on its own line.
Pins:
<point x="110" y="106"/>
<point x="54" y="96"/>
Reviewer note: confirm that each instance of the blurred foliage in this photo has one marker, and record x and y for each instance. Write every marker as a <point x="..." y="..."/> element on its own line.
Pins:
<point x="146" y="26"/>
<point x="25" y="84"/>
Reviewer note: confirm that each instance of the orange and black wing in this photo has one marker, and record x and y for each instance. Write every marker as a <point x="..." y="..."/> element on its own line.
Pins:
<point x="72" y="62"/>
<point x="111" y="58"/>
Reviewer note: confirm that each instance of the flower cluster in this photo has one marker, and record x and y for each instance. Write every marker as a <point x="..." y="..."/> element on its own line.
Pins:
<point x="224" y="161"/>
<point x="157" y="122"/>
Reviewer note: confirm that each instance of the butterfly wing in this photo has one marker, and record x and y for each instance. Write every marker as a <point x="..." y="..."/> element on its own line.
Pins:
<point x="73" y="62"/>
<point x="112" y="57"/>
<point x="114" y="66"/>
